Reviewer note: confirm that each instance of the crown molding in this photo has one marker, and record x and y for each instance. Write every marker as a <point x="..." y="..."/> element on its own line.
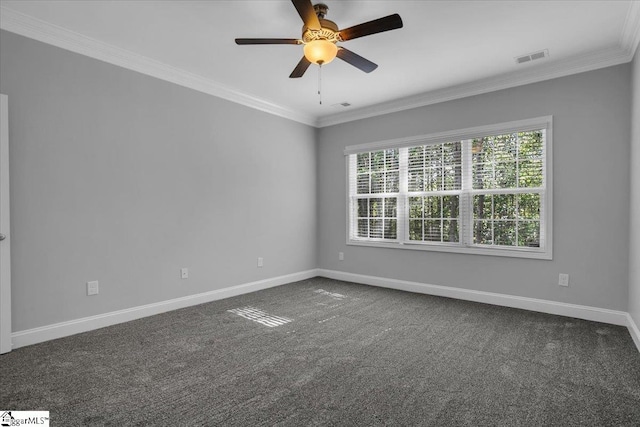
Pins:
<point x="45" y="32"/>
<point x="630" y="37"/>
<point x="36" y="29"/>
<point x="533" y="74"/>
<point x="629" y="40"/>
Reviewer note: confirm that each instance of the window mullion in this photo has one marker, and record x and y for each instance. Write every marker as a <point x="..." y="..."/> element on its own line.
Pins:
<point x="466" y="211"/>
<point x="403" y="205"/>
<point x="353" y="178"/>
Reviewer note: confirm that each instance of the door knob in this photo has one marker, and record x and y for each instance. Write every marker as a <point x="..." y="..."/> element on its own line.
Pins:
<point x="2" y="237"/>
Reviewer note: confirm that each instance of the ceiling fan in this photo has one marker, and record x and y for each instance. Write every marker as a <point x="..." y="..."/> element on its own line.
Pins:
<point x="320" y="37"/>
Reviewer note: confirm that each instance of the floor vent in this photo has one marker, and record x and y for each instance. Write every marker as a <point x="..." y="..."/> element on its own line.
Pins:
<point x="532" y="56"/>
<point x="260" y="316"/>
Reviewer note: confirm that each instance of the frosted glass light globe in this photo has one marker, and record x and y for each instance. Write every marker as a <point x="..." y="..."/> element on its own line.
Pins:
<point x="320" y="51"/>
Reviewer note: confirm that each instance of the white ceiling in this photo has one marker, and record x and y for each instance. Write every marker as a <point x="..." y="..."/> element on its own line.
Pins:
<point x="446" y="49"/>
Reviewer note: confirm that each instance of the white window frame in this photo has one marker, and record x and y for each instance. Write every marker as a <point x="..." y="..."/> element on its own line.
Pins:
<point x="545" y="251"/>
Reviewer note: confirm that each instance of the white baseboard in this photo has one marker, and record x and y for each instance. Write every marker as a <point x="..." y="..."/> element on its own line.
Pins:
<point x="633" y="330"/>
<point x="544" y="306"/>
<point x="71" y="327"/>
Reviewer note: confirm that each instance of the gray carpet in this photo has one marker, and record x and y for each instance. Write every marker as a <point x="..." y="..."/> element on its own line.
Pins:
<point x="333" y="353"/>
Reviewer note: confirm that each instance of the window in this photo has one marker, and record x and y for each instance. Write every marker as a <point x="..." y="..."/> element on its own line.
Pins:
<point x="483" y="190"/>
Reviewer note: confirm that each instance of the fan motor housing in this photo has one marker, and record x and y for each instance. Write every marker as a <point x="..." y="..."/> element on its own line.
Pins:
<point x="328" y="32"/>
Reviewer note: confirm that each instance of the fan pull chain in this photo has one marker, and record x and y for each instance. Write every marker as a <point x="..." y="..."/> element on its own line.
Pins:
<point x="320" y="83"/>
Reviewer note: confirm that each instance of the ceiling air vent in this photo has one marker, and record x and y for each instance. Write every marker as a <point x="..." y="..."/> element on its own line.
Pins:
<point x="532" y="56"/>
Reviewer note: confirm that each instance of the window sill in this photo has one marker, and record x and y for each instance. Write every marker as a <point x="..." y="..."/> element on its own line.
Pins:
<point x="443" y="247"/>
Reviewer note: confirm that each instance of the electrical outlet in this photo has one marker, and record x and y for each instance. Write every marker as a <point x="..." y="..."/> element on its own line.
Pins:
<point x="260" y="262"/>
<point x="340" y="256"/>
<point x="563" y="279"/>
<point x="92" y="288"/>
<point x="184" y="273"/>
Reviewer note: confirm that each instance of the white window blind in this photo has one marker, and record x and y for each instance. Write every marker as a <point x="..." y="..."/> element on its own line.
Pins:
<point x="487" y="193"/>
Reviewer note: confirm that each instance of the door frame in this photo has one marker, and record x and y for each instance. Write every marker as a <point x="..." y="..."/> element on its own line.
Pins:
<point x="5" y="245"/>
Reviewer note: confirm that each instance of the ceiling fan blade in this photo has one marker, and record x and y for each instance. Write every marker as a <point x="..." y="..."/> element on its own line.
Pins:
<point x="356" y="60"/>
<point x="307" y="13"/>
<point x="267" y="41"/>
<point x="300" y="68"/>
<point x="380" y="25"/>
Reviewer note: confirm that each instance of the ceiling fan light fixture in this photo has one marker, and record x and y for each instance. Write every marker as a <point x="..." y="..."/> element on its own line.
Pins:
<point x="320" y="37"/>
<point x="320" y="51"/>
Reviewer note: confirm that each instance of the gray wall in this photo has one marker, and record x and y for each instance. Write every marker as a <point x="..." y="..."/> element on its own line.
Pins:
<point x="591" y="132"/>
<point x="634" y="255"/>
<point x="123" y="178"/>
